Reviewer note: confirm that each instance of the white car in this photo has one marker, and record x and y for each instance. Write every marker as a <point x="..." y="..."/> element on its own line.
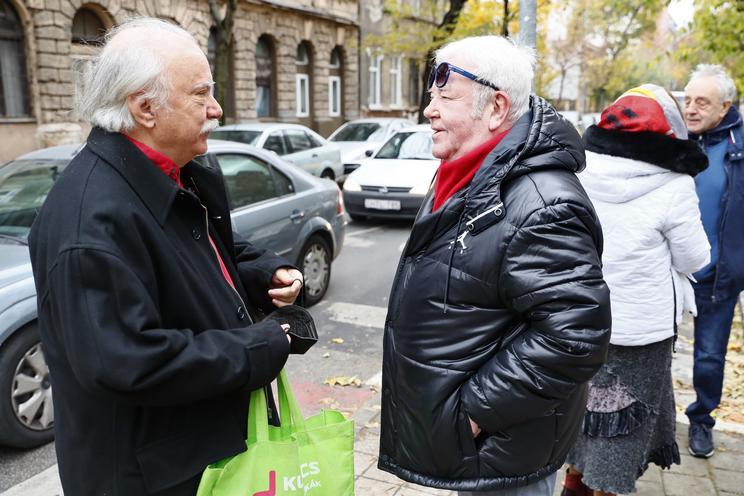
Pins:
<point x="296" y="144"/>
<point x="394" y="182"/>
<point x="361" y="138"/>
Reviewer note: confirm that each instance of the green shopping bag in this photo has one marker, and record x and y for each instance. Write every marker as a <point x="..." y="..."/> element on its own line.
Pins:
<point x="314" y="456"/>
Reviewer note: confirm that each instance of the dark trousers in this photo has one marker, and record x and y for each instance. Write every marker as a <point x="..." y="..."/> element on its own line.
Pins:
<point x="712" y="330"/>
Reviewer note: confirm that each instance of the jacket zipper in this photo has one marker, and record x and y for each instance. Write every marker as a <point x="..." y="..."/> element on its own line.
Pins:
<point x="729" y="187"/>
<point x="216" y="254"/>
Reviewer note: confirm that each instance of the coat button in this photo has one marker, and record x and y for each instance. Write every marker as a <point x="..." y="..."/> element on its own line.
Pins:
<point x="196" y="234"/>
<point x="241" y="312"/>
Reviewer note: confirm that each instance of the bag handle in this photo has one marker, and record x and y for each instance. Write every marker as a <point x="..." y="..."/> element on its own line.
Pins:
<point x="289" y="412"/>
<point x="258" y="417"/>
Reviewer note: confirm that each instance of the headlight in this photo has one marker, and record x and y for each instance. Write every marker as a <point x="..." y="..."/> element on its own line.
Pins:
<point x="351" y="185"/>
<point x="420" y="189"/>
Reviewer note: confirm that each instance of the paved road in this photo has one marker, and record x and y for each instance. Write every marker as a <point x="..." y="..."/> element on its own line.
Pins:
<point x="353" y="311"/>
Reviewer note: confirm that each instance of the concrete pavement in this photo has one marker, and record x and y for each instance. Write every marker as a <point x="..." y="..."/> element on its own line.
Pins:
<point x="721" y="475"/>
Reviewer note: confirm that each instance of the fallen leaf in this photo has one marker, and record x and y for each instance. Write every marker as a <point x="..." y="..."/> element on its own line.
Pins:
<point x="326" y="355"/>
<point x="343" y="380"/>
<point x="337" y="340"/>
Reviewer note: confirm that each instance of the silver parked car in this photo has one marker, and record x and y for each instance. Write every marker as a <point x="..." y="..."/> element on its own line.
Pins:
<point x="274" y="205"/>
<point x="294" y="143"/>
<point x="361" y="138"/>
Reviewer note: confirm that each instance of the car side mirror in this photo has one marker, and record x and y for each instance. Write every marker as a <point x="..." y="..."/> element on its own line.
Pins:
<point x="369" y="153"/>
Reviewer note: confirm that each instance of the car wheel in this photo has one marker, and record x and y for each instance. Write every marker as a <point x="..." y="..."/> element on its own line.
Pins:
<point x="328" y="174"/>
<point x="315" y="263"/>
<point x="26" y="409"/>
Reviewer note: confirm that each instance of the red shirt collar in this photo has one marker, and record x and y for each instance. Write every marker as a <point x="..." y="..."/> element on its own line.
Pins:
<point x="163" y="163"/>
<point x="455" y="175"/>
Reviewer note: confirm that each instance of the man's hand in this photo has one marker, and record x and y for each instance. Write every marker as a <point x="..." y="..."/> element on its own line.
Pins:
<point x="285" y="328"/>
<point x="474" y="427"/>
<point x="286" y="285"/>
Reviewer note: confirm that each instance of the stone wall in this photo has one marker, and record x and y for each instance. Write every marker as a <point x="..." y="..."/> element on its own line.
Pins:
<point x="51" y="57"/>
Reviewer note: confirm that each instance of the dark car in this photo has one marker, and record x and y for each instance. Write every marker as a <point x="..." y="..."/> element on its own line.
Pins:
<point x="274" y="205"/>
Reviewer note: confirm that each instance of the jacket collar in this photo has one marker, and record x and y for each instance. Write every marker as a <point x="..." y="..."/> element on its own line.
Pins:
<point x="156" y="190"/>
<point x="727" y="127"/>
<point x="677" y="155"/>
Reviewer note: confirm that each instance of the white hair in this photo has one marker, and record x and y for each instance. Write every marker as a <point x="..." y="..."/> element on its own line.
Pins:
<point x="121" y="70"/>
<point x="497" y="60"/>
<point x="725" y="83"/>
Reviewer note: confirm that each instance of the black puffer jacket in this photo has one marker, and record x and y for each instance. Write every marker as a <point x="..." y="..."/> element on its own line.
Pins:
<point x="506" y="328"/>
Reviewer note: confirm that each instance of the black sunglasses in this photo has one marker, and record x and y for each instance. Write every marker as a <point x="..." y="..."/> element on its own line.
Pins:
<point x="441" y="73"/>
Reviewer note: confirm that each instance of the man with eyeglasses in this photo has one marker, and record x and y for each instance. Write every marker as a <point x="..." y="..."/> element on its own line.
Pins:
<point x="498" y="314"/>
<point x="717" y="125"/>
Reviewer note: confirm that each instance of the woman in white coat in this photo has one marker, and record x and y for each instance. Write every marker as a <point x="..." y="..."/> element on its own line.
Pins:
<point x="639" y="175"/>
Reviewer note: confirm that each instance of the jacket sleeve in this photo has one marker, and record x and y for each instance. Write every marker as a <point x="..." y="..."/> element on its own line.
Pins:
<point x="684" y="231"/>
<point x="109" y="325"/>
<point x="256" y="267"/>
<point x="551" y="278"/>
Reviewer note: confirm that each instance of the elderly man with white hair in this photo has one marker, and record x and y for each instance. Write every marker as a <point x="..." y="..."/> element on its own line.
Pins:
<point x="146" y="297"/>
<point x="717" y="126"/>
<point x="499" y="314"/>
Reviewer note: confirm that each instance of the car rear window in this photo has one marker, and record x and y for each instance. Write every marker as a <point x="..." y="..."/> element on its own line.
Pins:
<point x="408" y="145"/>
<point x="247" y="137"/>
<point x="362" y="131"/>
<point x="24" y="185"/>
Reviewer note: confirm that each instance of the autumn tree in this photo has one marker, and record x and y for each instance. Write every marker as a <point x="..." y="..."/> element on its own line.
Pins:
<point x="717" y="36"/>
<point x="420" y="34"/>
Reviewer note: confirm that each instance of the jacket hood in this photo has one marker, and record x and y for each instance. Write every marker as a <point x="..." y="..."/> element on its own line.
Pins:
<point x="618" y="180"/>
<point x="676" y="155"/>
<point x="541" y="139"/>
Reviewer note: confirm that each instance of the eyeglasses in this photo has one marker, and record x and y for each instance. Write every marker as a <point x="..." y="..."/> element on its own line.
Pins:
<point x="440" y="75"/>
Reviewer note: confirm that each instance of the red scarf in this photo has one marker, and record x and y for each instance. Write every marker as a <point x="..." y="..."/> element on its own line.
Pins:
<point x="455" y="175"/>
<point x="171" y="170"/>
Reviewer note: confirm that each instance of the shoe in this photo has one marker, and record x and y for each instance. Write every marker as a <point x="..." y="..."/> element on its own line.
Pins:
<point x="701" y="441"/>
<point x="573" y="486"/>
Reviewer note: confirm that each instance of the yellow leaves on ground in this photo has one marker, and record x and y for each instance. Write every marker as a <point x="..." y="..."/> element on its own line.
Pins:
<point x="343" y="380"/>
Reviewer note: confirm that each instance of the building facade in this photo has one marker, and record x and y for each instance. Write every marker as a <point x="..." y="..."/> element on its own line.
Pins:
<point x="390" y="82"/>
<point x="290" y="62"/>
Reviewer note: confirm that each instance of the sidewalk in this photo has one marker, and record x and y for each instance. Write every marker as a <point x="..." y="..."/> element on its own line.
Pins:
<point x="720" y="475"/>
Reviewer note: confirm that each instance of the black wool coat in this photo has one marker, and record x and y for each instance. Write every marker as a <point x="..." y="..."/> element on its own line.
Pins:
<point x="498" y="312"/>
<point x="151" y="353"/>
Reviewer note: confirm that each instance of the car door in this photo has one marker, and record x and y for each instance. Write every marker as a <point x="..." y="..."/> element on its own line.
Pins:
<point x="263" y="203"/>
<point x="302" y="151"/>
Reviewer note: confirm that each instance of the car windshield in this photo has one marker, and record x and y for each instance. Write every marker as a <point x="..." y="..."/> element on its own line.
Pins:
<point x="24" y="185"/>
<point x="360" y="131"/>
<point x="414" y="145"/>
<point x="247" y="137"/>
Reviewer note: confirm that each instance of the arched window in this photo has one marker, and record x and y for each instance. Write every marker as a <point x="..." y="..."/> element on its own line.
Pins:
<point x="303" y="80"/>
<point x="335" y="83"/>
<point x="14" y="100"/>
<point x="87" y="27"/>
<point x="265" y="78"/>
<point x="228" y="103"/>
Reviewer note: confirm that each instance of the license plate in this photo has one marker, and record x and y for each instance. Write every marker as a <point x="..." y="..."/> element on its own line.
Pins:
<point x="382" y="204"/>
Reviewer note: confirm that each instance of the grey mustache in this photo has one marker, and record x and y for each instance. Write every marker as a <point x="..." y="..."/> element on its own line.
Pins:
<point x="210" y="126"/>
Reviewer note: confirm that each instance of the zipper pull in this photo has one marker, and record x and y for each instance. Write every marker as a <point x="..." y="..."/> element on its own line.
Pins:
<point x="461" y="239"/>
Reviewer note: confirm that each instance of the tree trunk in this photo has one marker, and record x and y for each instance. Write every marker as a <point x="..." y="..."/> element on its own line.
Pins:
<point x="505" y="20"/>
<point x="447" y="26"/>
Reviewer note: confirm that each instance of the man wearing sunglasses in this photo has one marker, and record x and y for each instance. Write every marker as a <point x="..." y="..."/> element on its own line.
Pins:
<point x="499" y="314"/>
